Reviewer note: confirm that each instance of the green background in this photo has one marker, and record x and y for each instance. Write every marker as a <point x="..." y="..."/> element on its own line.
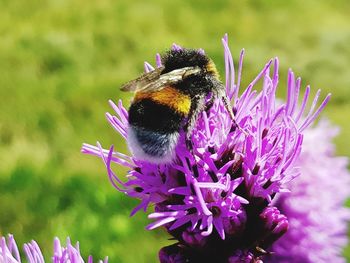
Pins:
<point x="60" y="61"/>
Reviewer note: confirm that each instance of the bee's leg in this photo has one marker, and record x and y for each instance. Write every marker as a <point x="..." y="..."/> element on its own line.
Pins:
<point x="220" y="92"/>
<point x="210" y="103"/>
<point x="197" y="106"/>
<point x="232" y="116"/>
<point x="189" y="144"/>
<point x="192" y="117"/>
<point x="194" y="165"/>
<point x="228" y="108"/>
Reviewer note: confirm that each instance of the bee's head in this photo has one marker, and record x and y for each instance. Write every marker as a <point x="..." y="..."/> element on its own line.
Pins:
<point x="180" y="58"/>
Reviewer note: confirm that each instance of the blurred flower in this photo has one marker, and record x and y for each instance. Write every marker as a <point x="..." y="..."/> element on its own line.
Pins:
<point x="317" y="218"/>
<point x="217" y="200"/>
<point x="9" y="252"/>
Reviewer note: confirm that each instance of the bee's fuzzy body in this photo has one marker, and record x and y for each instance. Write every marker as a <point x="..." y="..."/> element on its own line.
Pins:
<point x="157" y="117"/>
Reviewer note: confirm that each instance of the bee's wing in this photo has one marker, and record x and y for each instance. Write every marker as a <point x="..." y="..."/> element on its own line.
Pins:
<point x="143" y="80"/>
<point x="149" y="82"/>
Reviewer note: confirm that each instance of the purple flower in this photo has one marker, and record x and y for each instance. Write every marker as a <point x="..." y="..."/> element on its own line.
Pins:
<point x="317" y="218"/>
<point x="70" y="254"/>
<point x="217" y="200"/>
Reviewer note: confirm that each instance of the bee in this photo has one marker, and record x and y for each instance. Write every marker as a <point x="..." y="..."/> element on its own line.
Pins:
<point x="169" y="99"/>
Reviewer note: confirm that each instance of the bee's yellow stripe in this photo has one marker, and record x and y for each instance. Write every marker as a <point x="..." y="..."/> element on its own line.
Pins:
<point x="211" y="68"/>
<point x="168" y="96"/>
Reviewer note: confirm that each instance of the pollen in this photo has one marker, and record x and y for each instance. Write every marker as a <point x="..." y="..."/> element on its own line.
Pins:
<point x="168" y="96"/>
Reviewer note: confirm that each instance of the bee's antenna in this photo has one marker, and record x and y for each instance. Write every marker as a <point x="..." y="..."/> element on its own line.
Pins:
<point x="232" y="115"/>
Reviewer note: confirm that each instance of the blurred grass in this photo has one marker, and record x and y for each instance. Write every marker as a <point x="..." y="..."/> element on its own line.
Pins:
<point x="60" y="61"/>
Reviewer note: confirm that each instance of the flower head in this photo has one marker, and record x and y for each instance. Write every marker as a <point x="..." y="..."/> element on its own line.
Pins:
<point x="317" y="218"/>
<point x="70" y="254"/>
<point x="216" y="198"/>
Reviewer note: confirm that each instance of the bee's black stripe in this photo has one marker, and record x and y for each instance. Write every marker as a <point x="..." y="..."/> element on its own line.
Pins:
<point x="175" y="59"/>
<point x="153" y="116"/>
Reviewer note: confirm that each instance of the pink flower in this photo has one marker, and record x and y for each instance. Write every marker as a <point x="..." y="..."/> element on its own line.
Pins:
<point x="218" y="201"/>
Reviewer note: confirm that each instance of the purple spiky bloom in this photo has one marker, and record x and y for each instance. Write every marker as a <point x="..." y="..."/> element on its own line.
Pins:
<point x="317" y="218"/>
<point x="70" y="254"/>
<point x="217" y="201"/>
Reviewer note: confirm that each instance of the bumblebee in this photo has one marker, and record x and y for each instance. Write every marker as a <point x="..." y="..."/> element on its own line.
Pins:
<point x="169" y="99"/>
